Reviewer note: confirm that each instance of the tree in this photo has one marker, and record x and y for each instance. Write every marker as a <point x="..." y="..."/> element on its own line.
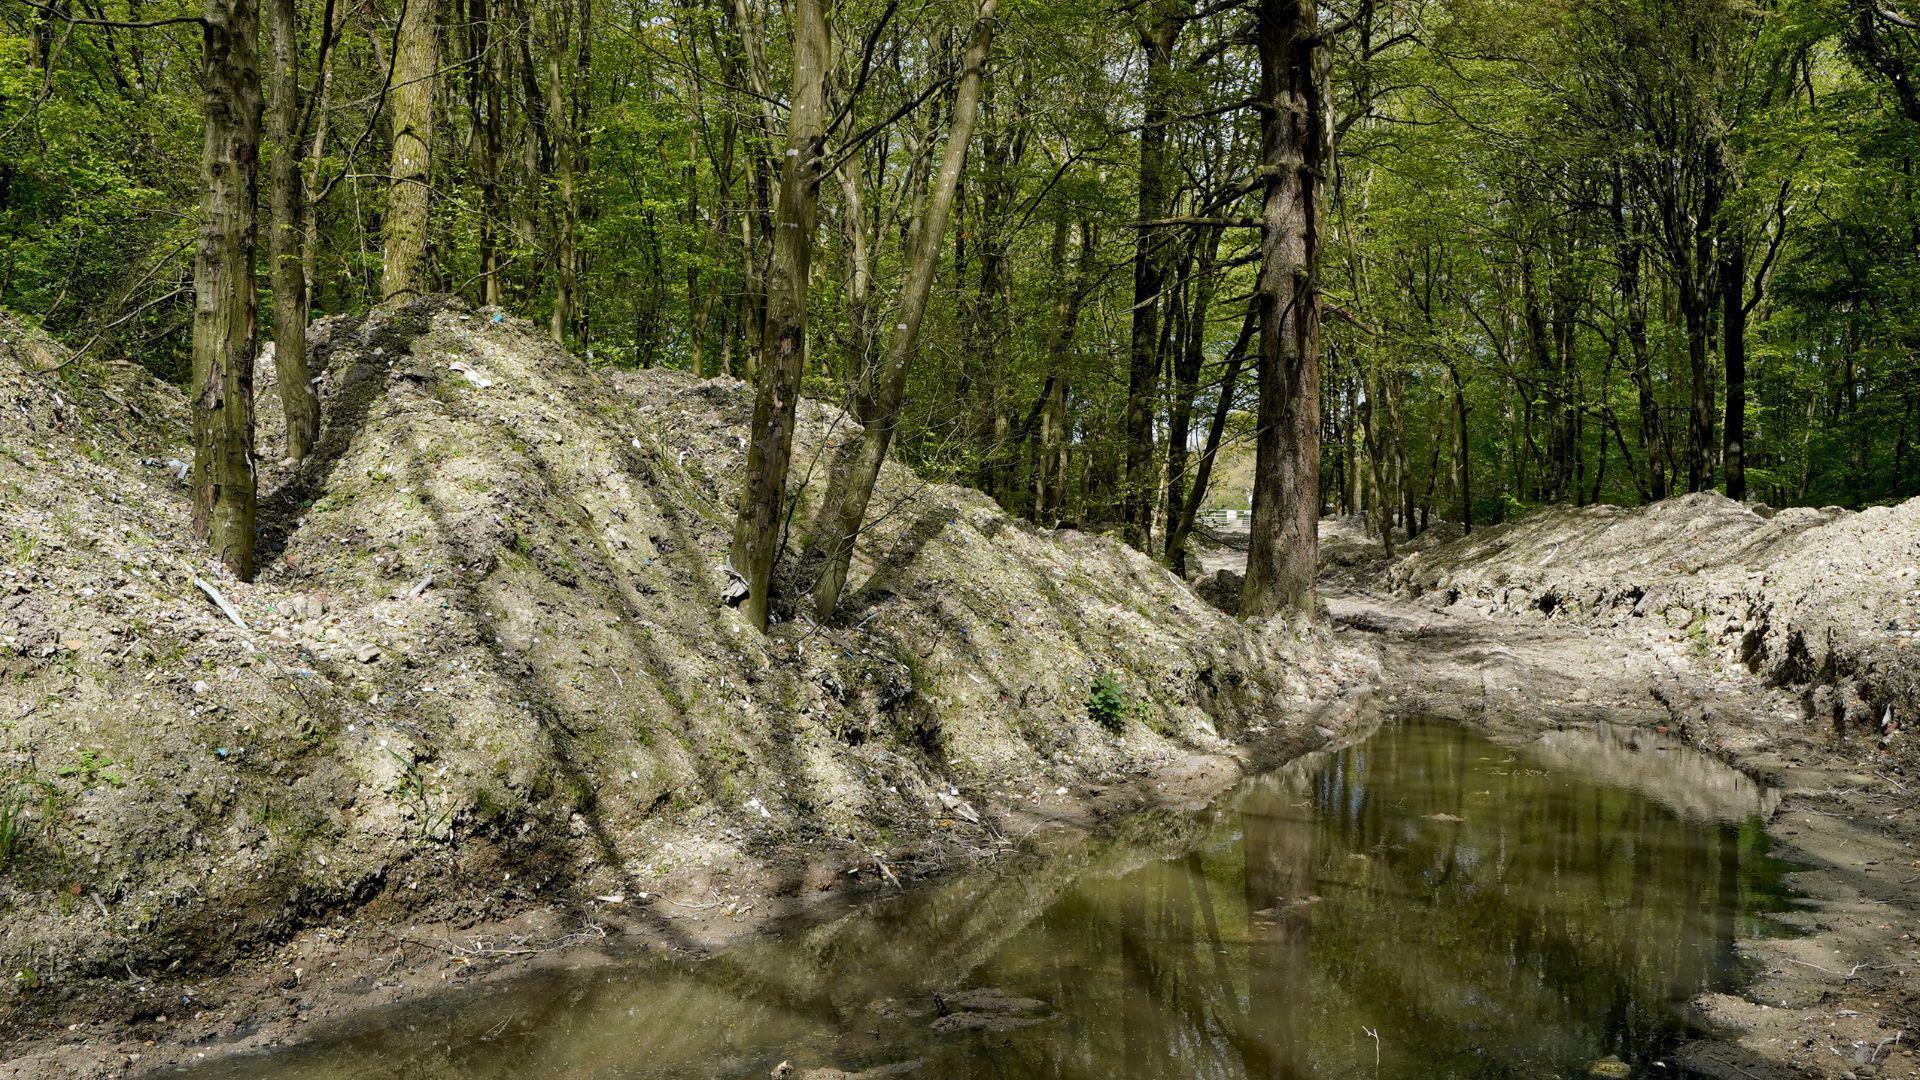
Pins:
<point x="223" y="316"/>
<point x="416" y="60"/>
<point x="287" y="233"/>
<point x="1283" y="545"/>
<point x="831" y="546"/>
<point x="760" y="524"/>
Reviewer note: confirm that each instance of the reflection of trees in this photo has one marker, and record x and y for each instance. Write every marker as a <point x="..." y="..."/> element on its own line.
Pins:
<point x="1485" y="917"/>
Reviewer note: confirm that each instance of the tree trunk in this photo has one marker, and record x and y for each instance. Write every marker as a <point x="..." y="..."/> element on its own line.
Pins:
<point x="1283" y="550"/>
<point x="490" y="146"/>
<point x="783" y="344"/>
<point x="1188" y="362"/>
<point x="288" y="197"/>
<point x="830" y="547"/>
<point x="1050" y="469"/>
<point x="223" y="309"/>
<point x="1462" y="460"/>
<point x="1653" y="437"/>
<point x="1733" y="344"/>
<point x="1696" y="308"/>
<point x="415" y="60"/>
<point x="1180" y="525"/>
<point x="1149" y="273"/>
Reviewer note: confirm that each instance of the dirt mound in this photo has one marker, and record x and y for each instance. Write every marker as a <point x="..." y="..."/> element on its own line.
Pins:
<point x="485" y="664"/>
<point x="1828" y="599"/>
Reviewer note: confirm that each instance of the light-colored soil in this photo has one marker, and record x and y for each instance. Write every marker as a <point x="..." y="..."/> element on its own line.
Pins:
<point x="487" y="711"/>
<point x="487" y="702"/>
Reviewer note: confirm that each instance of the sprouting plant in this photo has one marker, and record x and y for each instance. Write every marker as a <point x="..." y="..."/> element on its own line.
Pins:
<point x="1108" y="703"/>
<point x="413" y="788"/>
<point x="22" y="546"/>
<point x="13" y="824"/>
<point x="90" y="767"/>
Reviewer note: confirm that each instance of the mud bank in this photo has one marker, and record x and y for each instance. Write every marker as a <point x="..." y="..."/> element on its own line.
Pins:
<point x="1685" y="622"/>
<point x="1826" y="601"/>
<point x="483" y="699"/>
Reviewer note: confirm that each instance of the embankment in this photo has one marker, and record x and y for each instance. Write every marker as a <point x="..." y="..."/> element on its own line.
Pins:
<point x="485" y="669"/>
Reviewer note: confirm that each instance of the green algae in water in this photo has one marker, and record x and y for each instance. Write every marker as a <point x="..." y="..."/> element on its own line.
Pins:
<point x="1427" y="903"/>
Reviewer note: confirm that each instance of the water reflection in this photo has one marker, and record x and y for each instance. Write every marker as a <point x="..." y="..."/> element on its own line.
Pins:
<point x="1424" y="904"/>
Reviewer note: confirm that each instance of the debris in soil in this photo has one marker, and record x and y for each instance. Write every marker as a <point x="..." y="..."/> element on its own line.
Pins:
<point x="483" y="669"/>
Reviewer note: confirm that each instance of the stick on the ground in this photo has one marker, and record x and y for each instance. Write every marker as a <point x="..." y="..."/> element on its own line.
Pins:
<point x="221" y="602"/>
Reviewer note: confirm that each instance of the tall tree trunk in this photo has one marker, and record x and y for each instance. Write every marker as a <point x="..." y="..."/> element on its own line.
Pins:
<point x="490" y="61"/>
<point x="415" y="61"/>
<point x="1180" y="523"/>
<point x="1050" y="467"/>
<point x="1188" y="361"/>
<point x="316" y="152"/>
<point x="1149" y="273"/>
<point x="1654" y="445"/>
<point x="566" y="114"/>
<point x="1462" y="459"/>
<point x="223" y="288"/>
<point x="288" y="197"/>
<point x="783" y="344"/>
<point x="1283" y="549"/>
<point x="1733" y="346"/>
<point x="830" y="547"/>
<point x="1696" y="308"/>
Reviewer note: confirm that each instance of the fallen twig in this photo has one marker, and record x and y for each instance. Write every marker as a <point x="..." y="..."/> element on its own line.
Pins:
<point x="221" y="602"/>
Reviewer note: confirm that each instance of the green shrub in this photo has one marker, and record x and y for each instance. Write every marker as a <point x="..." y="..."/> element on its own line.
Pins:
<point x="1108" y="703"/>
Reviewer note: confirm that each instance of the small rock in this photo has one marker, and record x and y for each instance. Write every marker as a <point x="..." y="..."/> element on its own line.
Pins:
<point x="1610" y="1068"/>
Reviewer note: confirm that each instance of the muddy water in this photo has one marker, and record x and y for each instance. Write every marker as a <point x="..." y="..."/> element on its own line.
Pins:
<point x="1427" y="903"/>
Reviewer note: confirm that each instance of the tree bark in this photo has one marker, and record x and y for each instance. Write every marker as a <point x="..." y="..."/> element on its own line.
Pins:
<point x="1187" y="363"/>
<point x="1180" y="523"/>
<point x="1733" y="347"/>
<point x="830" y="547"/>
<point x="1149" y="273"/>
<point x="224" y="300"/>
<point x="287" y="195"/>
<point x="783" y="343"/>
<point x="1653" y="436"/>
<point x="1283" y="549"/>
<point x="1050" y="467"/>
<point x="416" y="58"/>
<point x="490" y="63"/>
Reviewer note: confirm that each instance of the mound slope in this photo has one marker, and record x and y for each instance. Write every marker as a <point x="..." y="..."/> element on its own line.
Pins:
<point x="1827" y="600"/>
<point x="485" y="664"/>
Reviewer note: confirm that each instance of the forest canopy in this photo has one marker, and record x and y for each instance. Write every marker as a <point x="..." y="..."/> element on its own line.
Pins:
<point x="1078" y="254"/>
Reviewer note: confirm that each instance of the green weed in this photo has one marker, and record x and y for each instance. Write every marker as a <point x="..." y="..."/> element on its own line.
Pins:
<point x="1109" y="704"/>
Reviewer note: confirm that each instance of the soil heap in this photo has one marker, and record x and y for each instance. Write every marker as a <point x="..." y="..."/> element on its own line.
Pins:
<point x="1825" y="600"/>
<point x="485" y="663"/>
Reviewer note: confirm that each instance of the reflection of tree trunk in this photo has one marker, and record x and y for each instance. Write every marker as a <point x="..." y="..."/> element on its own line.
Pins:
<point x="1278" y="879"/>
<point x="1137" y="1005"/>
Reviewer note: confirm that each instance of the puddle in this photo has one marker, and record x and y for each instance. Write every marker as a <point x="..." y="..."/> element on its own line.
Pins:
<point x="1426" y="903"/>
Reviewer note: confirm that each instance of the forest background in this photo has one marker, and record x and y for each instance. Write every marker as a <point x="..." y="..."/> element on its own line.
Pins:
<point x="1567" y="252"/>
